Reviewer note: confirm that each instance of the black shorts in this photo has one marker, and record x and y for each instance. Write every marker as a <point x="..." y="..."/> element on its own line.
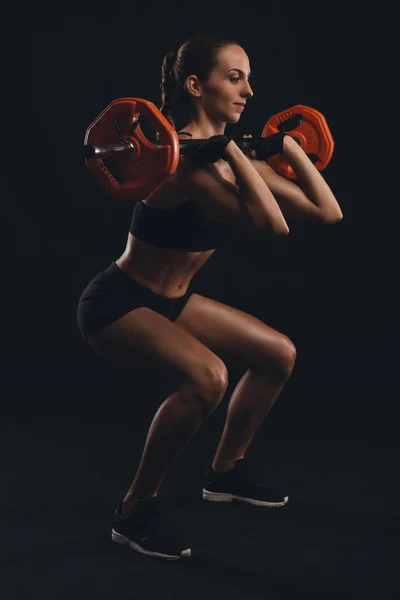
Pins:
<point x="111" y="294"/>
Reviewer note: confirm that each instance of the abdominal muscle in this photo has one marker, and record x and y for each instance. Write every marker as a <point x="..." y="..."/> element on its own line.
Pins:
<point x="164" y="271"/>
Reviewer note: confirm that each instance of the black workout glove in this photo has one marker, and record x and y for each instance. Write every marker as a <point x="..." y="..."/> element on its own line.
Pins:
<point x="210" y="150"/>
<point x="268" y="146"/>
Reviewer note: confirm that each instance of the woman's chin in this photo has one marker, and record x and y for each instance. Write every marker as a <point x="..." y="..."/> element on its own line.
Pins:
<point x="234" y="119"/>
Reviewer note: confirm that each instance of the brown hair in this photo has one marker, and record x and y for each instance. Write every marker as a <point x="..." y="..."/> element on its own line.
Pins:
<point x="196" y="56"/>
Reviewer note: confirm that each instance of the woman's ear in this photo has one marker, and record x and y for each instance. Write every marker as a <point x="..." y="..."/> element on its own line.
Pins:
<point x="192" y="85"/>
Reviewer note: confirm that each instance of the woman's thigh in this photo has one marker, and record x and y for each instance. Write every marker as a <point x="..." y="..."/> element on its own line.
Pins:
<point x="236" y="336"/>
<point x="149" y="345"/>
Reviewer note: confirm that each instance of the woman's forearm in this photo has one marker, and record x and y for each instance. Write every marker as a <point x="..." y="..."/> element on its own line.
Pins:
<point x="258" y="199"/>
<point x="310" y="179"/>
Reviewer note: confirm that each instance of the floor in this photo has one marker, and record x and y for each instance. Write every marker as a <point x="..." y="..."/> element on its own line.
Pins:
<point x="66" y="465"/>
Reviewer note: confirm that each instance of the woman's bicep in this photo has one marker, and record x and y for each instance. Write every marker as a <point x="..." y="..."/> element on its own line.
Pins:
<point x="292" y="200"/>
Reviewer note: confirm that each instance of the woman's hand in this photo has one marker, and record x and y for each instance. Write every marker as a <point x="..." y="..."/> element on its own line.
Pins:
<point x="248" y="151"/>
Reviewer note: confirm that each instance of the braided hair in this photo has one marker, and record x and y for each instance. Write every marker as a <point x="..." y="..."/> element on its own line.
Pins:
<point x="169" y="89"/>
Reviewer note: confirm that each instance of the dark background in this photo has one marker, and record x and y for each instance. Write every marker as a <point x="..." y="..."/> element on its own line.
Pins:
<point x="331" y="289"/>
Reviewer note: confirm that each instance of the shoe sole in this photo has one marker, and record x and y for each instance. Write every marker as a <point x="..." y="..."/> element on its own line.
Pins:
<point x="124" y="541"/>
<point x="218" y="497"/>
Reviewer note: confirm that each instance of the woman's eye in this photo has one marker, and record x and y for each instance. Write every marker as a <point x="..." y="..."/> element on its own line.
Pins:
<point x="234" y="78"/>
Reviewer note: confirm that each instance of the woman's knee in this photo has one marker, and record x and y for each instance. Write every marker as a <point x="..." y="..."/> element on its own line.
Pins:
<point x="282" y="359"/>
<point x="209" y="384"/>
<point x="286" y="357"/>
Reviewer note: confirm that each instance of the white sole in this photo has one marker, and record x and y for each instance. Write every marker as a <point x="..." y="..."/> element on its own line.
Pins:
<point x="219" y="497"/>
<point x="124" y="541"/>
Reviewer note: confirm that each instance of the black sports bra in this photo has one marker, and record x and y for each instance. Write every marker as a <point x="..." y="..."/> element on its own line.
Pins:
<point x="187" y="227"/>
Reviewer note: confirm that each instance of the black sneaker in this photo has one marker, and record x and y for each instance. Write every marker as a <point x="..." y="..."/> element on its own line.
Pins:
<point x="146" y="529"/>
<point x="243" y="483"/>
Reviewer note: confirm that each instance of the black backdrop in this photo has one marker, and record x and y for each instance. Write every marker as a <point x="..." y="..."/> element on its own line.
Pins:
<point x="73" y="427"/>
<point x="331" y="289"/>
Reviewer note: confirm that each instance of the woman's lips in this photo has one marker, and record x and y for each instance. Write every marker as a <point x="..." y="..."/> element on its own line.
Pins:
<point x="240" y="107"/>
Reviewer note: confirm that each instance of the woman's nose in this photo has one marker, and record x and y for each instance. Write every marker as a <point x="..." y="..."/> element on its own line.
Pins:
<point x="248" y="92"/>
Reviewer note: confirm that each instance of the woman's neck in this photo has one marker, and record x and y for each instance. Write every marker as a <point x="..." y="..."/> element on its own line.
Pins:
<point x="203" y="132"/>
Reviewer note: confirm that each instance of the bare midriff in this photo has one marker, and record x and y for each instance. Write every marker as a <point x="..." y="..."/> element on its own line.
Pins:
<point x="165" y="271"/>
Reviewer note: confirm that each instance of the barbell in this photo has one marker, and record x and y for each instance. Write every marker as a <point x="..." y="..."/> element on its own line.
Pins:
<point x="127" y="164"/>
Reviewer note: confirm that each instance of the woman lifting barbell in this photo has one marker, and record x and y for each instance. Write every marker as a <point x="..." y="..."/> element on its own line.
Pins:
<point x="140" y="311"/>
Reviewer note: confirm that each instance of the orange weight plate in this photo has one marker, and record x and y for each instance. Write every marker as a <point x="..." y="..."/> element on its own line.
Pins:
<point x="144" y="166"/>
<point x="311" y="132"/>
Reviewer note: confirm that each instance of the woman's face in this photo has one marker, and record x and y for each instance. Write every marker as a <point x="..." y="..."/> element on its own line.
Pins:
<point x="225" y="93"/>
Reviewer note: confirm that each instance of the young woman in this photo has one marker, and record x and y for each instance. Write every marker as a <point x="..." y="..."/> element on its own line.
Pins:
<point x="139" y="311"/>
